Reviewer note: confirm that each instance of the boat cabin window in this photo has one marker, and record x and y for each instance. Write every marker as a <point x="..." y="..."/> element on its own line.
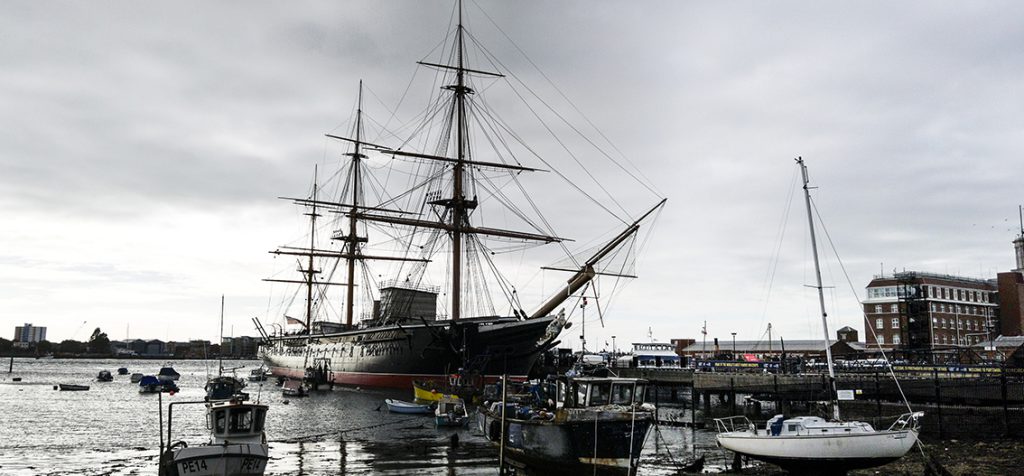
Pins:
<point x="599" y="393"/>
<point x="638" y="396"/>
<point x="240" y="420"/>
<point x="622" y="393"/>
<point x="261" y="416"/>
<point x="581" y="394"/>
<point x="219" y="421"/>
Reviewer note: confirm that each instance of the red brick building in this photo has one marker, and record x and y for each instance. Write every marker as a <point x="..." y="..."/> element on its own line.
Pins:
<point x="924" y="311"/>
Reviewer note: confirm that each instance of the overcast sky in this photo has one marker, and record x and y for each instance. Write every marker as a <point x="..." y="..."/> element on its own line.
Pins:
<point x="142" y="147"/>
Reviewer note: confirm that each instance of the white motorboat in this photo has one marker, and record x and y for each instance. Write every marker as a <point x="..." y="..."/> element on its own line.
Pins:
<point x="237" y="446"/>
<point x="451" y="411"/>
<point x="136" y="377"/>
<point x="810" y="443"/>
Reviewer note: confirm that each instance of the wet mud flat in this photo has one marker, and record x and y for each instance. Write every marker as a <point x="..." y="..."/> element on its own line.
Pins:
<point x="961" y="458"/>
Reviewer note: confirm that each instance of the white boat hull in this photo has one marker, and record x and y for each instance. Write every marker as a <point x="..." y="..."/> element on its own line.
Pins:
<point x="838" y="452"/>
<point x="247" y="459"/>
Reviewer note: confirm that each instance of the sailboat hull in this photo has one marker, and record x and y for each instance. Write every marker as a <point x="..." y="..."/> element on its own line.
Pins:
<point x="394" y="356"/>
<point x="822" y="452"/>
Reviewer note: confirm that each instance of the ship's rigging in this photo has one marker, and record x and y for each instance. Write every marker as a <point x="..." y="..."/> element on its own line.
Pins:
<point x="437" y="219"/>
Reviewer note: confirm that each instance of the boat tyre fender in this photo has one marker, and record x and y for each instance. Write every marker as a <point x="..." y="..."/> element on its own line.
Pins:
<point x="494" y="431"/>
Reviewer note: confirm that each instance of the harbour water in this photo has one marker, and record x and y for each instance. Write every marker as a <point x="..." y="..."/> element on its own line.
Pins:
<point x="112" y="429"/>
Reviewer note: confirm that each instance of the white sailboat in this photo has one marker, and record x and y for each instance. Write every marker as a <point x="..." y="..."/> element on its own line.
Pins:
<point x="810" y="443"/>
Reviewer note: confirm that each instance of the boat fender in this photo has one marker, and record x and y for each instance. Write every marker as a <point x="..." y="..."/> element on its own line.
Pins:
<point x="494" y="432"/>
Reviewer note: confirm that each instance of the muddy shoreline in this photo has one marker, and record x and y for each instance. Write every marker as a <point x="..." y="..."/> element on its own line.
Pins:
<point x="961" y="458"/>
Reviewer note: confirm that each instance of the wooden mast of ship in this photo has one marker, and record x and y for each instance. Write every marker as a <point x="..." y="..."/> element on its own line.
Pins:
<point x="352" y="240"/>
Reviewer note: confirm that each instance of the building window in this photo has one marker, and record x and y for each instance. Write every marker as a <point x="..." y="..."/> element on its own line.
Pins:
<point x="943" y="322"/>
<point x="881" y="340"/>
<point x="942" y="308"/>
<point x="878" y="309"/>
<point x="933" y="307"/>
<point x="878" y="324"/>
<point x="958" y="309"/>
<point x="896" y="339"/>
<point x="944" y="293"/>
<point x="895" y="325"/>
<point x="895" y="308"/>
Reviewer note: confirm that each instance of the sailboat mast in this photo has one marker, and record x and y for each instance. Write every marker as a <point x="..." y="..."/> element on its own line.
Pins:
<point x="220" y="355"/>
<point x="821" y="290"/>
<point x="458" y="207"/>
<point x="352" y="239"/>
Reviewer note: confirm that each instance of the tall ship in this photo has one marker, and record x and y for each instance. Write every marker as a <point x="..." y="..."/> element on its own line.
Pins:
<point x="400" y="275"/>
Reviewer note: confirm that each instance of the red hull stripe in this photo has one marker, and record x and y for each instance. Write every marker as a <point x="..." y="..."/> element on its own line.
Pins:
<point x="380" y="380"/>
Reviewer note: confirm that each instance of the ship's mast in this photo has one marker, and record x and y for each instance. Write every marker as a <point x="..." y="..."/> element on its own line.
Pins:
<point x="458" y="206"/>
<point x="309" y="271"/>
<point x="821" y="291"/>
<point x="353" y="239"/>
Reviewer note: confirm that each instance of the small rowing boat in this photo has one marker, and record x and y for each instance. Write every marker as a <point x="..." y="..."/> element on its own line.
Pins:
<point x="398" y="406"/>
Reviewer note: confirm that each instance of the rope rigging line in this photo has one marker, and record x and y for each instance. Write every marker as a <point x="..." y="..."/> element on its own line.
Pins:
<point x="849" y="281"/>
<point x="648" y="184"/>
<point x="566" y="148"/>
<point x="780" y="234"/>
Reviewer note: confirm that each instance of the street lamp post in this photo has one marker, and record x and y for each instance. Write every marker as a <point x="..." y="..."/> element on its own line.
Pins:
<point x="613" y="346"/>
<point x="734" y="346"/>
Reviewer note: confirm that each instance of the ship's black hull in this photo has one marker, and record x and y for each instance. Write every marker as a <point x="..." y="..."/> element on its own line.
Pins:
<point x="395" y="355"/>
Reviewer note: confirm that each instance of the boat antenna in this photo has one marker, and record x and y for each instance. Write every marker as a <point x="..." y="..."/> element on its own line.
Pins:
<point x="821" y="291"/>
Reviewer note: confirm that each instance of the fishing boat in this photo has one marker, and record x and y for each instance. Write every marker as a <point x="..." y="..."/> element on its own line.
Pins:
<point x="398" y="406"/>
<point x="430" y="229"/>
<point x="578" y="425"/>
<point x="224" y="387"/>
<point x="70" y="387"/>
<point x="168" y="374"/>
<point x="429" y="391"/>
<point x="811" y="443"/>
<point x="237" y="444"/>
<point x="104" y="376"/>
<point x="135" y="377"/>
<point x="451" y="411"/>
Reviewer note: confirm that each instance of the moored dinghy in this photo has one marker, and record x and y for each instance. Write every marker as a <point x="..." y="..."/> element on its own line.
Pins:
<point x="398" y="406"/>
<point x="168" y="374"/>
<point x="810" y="443"/>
